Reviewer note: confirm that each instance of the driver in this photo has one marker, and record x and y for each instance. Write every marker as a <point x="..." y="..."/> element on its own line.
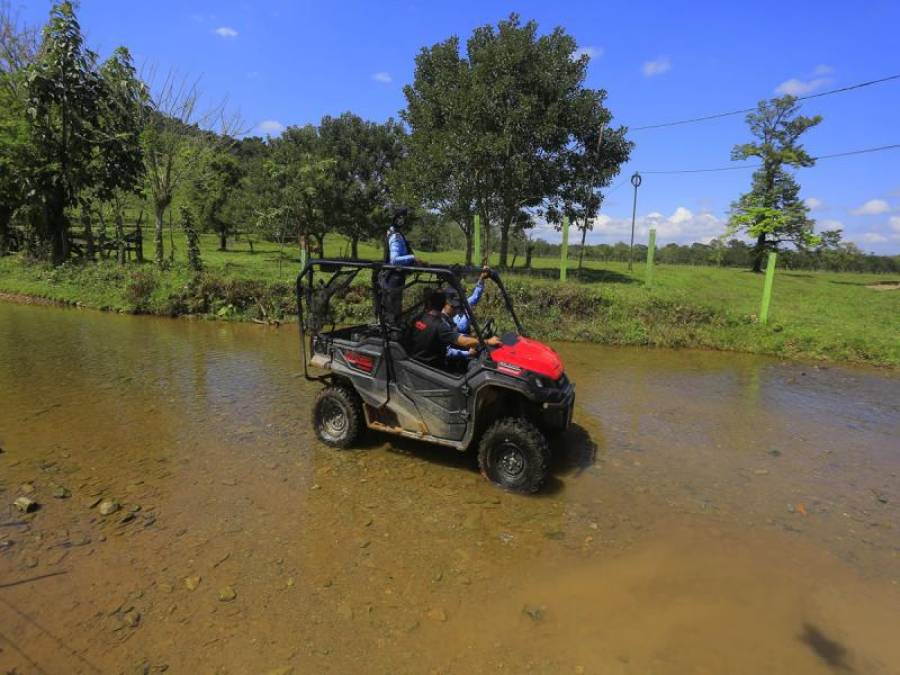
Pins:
<point x="433" y="332"/>
<point x="458" y="315"/>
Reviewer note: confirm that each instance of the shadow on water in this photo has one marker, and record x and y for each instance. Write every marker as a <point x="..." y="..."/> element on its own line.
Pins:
<point x="573" y="452"/>
<point x="830" y="651"/>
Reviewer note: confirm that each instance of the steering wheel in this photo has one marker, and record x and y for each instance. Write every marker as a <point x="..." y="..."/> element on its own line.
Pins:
<point x="488" y="329"/>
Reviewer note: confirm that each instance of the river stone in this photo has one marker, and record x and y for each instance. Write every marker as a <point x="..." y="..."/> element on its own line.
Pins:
<point x="227" y="594"/>
<point x="61" y="493"/>
<point x="108" y="507"/>
<point x="27" y="488"/>
<point x="25" y="505"/>
<point x="192" y="582"/>
<point x="437" y="614"/>
<point x="132" y="618"/>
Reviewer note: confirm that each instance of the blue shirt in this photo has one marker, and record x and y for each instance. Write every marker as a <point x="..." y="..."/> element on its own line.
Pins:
<point x="462" y="322"/>
<point x="398" y="249"/>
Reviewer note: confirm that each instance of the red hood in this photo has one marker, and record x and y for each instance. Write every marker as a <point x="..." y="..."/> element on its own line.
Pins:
<point x="530" y="355"/>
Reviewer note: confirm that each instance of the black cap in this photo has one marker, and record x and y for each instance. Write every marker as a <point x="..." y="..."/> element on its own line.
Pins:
<point x="453" y="298"/>
<point x="399" y="212"/>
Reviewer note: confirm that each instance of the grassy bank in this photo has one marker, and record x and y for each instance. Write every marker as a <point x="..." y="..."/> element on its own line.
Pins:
<point x="814" y="315"/>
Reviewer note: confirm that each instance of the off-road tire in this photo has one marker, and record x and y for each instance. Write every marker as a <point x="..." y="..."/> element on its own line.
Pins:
<point x="514" y="454"/>
<point x="338" y="416"/>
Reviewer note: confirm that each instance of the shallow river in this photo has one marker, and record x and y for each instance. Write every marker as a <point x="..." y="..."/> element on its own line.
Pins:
<point x="709" y="513"/>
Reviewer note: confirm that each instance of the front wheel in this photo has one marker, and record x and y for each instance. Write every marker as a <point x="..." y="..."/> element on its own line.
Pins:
<point x="514" y="454"/>
<point x="337" y="416"/>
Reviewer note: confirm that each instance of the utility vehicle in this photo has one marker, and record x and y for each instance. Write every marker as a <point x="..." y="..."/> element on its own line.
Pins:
<point x="506" y="400"/>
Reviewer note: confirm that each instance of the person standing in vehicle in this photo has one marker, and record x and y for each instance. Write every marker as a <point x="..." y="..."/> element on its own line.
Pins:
<point x="433" y="332"/>
<point x="397" y="252"/>
<point x="460" y="318"/>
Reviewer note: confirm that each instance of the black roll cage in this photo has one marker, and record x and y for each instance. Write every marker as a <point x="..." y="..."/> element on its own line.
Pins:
<point x="449" y="274"/>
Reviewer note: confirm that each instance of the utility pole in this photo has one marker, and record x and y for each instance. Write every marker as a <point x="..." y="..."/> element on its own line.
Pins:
<point x="636" y="181"/>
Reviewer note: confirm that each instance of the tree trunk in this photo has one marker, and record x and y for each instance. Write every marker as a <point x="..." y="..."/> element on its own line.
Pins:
<point x="354" y="247"/>
<point x="759" y="252"/>
<point x="56" y="226"/>
<point x="469" y="232"/>
<point x="139" y="239"/>
<point x="529" y="251"/>
<point x="581" y="250"/>
<point x="171" y="239"/>
<point x="88" y="234"/>
<point x="159" y="253"/>
<point x="320" y="240"/>
<point x="223" y="239"/>
<point x="5" y="216"/>
<point x="504" y="241"/>
<point x="120" y="238"/>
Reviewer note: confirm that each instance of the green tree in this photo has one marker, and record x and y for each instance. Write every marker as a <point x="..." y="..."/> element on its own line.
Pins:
<point x="18" y="45"/>
<point x="516" y="106"/>
<point x="363" y="154"/>
<point x="177" y="134"/>
<point x="64" y="91"/>
<point x="437" y="172"/>
<point x="303" y="182"/>
<point x="772" y="212"/>
<point x="220" y="174"/>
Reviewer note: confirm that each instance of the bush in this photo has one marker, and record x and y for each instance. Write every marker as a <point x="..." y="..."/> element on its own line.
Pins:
<point x="139" y="288"/>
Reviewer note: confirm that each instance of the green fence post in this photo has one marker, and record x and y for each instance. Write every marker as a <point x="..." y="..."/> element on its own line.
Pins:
<point x="651" y="250"/>
<point x="564" y="251"/>
<point x="767" y="290"/>
<point x="477" y="235"/>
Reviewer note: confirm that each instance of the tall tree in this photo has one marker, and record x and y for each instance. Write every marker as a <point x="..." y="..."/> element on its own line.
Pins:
<point x="219" y="175"/>
<point x="588" y="165"/>
<point x="772" y="212"/>
<point x="437" y="171"/>
<point x="18" y="45"/>
<point x="362" y="155"/>
<point x="304" y="182"/>
<point x="516" y="106"/>
<point x="177" y="133"/>
<point x="64" y="91"/>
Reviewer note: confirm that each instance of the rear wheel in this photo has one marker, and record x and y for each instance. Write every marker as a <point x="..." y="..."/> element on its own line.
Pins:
<point x="338" y="416"/>
<point x="514" y="454"/>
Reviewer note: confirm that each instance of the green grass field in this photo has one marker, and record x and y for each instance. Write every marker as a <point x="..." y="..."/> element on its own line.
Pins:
<point x="816" y="315"/>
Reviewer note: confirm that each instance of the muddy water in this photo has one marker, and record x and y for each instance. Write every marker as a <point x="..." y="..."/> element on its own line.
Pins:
<point x="709" y="513"/>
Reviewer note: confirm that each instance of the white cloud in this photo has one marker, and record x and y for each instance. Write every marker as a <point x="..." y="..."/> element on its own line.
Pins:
<point x="683" y="226"/>
<point x="873" y="238"/>
<point x="226" y="32"/>
<point x="590" y="52"/>
<point x="895" y="223"/>
<point x="801" y="87"/>
<point x="795" y="87"/>
<point x="657" y="67"/>
<point x="814" y="204"/>
<point x="270" y="127"/>
<point x="873" y="207"/>
<point x="383" y="77"/>
<point x="830" y="224"/>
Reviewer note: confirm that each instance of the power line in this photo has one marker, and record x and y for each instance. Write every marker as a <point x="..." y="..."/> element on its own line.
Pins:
<point x="743" y="111"/>
<point x="756" y="166"/>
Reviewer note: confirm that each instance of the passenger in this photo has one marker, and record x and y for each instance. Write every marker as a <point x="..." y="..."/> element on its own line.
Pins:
<point x="433" y="332"/>
<point x="397" y="252"/>
<point x="459" y="316"/>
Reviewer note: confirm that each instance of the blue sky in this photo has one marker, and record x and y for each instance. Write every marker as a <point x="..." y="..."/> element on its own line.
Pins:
<point x="281" y="63"/>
